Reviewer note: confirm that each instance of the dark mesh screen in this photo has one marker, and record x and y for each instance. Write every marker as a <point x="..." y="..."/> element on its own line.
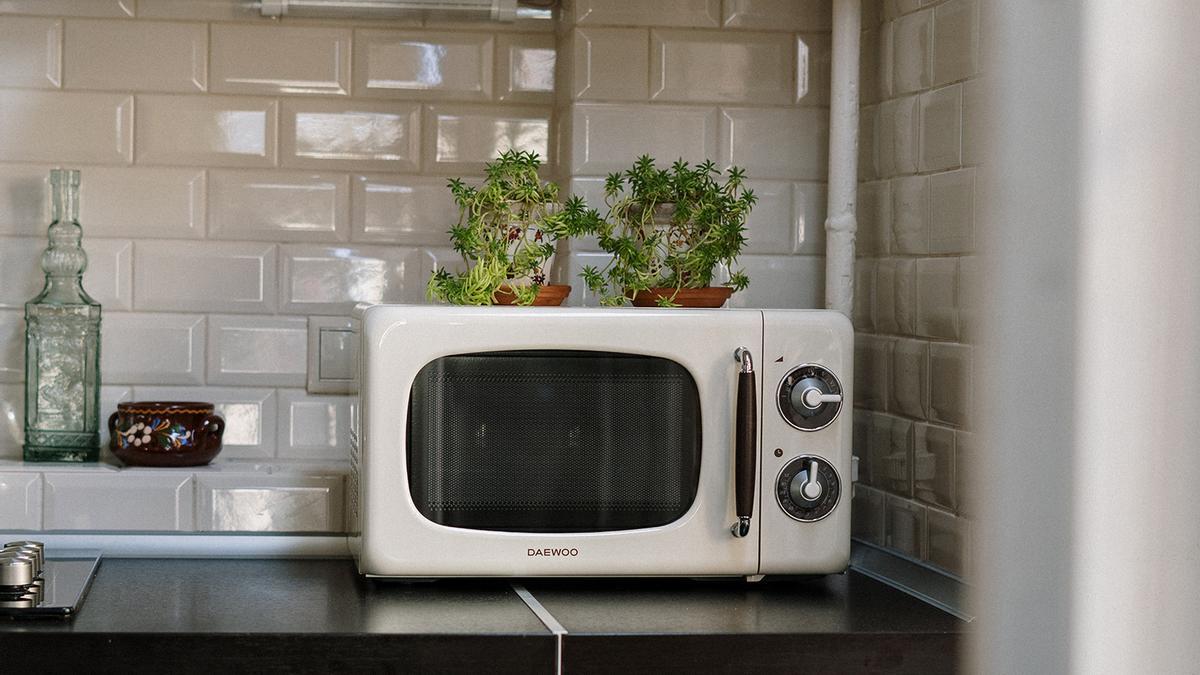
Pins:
<point x="553" y="441"/>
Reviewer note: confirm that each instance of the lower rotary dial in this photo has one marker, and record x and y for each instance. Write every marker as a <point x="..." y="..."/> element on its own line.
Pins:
<point x="808" y="488"/>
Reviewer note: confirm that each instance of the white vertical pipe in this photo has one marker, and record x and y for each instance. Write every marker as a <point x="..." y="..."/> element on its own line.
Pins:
<point x="1136" y="567"/>
<point x="841" y="223"/>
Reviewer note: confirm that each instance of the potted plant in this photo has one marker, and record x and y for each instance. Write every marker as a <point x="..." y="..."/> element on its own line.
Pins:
<point x="507" y="232"/>
<point x="667" y="231"/>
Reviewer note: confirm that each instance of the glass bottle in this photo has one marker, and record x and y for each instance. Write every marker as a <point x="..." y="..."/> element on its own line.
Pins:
<point x="62" y="343"/>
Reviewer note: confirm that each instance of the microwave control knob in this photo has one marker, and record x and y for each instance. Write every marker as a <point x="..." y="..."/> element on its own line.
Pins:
<point x="808" y="488"/>
<point x="809" y="397"/>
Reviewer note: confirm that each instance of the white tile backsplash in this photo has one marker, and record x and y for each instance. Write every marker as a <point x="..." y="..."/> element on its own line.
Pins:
<point x="245" y="503"/>
<point x="30" y="49"/>
<point x="331" y="279"/>
<point x="139" y="348"/>
<point x="205" y="276"/>
<point x="278" y="206"/>
<point x="460" y="138"/>
<point x="107" y="278"/>
<point x="43" y="126"/>
<point x="776" y="142"/>
<point x="299" y="60"/>
<point x="142" y="501"/>
<point x="690" y="13"/>
<point x="251" y="350"/>
<point x="610" y="64"/>
<point x="609" y="137"/>
<point x="703" y="66"/>
<point x="12" y="346"/>
<point x="21" y="500"/>
<point x="358" y="136"/>
<point x="206" y="130"/>
<point x="796" y="15"/>
<point x="525" y="68"/>
<point x="424" y="65"/>
<point x="785" y="281"/>
<point x="161" y="203"/>
<point x="96" y="8"/>
<point x="135" y="56"/>
<point x="12" y="420"/>
<point x="313" y="427"/>
<point x="401" y="209"/>
<point x="24" y="199"/>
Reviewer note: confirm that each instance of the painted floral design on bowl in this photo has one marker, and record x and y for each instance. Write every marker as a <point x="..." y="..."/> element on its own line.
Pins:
<point x="165" y="433"/>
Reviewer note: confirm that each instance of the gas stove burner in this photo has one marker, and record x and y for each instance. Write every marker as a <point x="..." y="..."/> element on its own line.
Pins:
<point x="32" y="585"/>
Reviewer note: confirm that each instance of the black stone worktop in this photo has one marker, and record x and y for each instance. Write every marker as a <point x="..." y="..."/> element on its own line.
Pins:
<point x="318" y="615"/>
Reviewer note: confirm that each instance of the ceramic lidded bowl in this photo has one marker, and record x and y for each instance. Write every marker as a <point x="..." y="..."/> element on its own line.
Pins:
<point x="165" y="433"/>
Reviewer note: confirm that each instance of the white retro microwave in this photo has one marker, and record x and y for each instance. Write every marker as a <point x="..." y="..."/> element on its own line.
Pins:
<point x="527" y="442"/>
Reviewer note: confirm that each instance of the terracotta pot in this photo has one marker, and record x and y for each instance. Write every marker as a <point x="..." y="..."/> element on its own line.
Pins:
<point x="549" y="295"/>
<point x="711" y="296"/>
<point x="165" y="433"/>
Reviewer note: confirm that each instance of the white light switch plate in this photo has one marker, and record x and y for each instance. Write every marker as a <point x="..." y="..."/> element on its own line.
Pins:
<point x="332" y="355"/>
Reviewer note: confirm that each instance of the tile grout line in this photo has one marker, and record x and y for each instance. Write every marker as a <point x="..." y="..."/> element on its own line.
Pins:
<point x="539" y="610"/>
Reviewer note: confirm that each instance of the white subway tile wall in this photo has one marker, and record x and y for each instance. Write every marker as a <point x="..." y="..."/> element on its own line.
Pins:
<point x="230" y="190"/>
<point x="914" y="309"/>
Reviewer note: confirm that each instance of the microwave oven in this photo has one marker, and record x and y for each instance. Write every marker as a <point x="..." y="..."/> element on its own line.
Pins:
<point x="529" y="442"/>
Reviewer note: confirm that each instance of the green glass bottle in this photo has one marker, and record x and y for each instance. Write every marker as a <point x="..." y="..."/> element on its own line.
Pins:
<point x="62" y="343"/>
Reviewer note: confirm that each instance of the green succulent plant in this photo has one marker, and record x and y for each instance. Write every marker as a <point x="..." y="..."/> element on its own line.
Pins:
<point x="653" y="246"/>
<point x="506" y="232"/>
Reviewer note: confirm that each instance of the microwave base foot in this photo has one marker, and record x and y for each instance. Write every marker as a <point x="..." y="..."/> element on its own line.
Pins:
<point x="754" y="578"/>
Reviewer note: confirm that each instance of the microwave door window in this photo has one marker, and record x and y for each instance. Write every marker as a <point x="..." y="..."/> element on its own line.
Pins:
<point x="553" y="441"/>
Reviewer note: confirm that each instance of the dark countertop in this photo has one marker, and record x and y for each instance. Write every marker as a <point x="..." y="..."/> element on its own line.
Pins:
<point x="305" y="615"/>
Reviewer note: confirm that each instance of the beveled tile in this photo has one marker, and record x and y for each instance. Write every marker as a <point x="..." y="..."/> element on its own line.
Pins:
<point x="906" y="134"/>
<point x="125" y="501"/>
<point x="808" y="208"/>
<point x="580" y="296"/>
<point x="933" y="465"/>
<point x="772" y="226"/>
<point x="21" y="500"/>
<point x="257" y="350"/>
<point x="205" y="276"/>
<point x="910" y="378"/>
<point x="955" y="40"/>
<point x="868" y="143"/>
<point x="610" y="64"/>
<point x="30" y="51"/>
<point x="249" y="415"/>
<point x="330" y="280"/>
<point x="914" y="52"/>
<point x="814" y="63"/>
<point x="301" y="60"/>
<point x="109" y="275"/>
<point x="361" y="135"/>
<point x="401" y="209"/>
<point x="941" y="128"/>
<point x="249" y="503"/>
<point x="135" y="56"/>
<point x="697" y="66"/>
<point x="686" y="13"/>
<point x="952" y="211"/>
<point x="874" y="218"/>
<point x="905" y="527"/>
<point x="20" y="275"/>
<point x="139" y="348"/>
<point x="278" y="206"/>
<point x="313" y="427"/>
<point x="887" y="60"/>
<point x="969" y="298"/>
<point x="937" y="297"/>
<point x="206" y="131"/>
<point x="37" y="126"/>
<point x="868" y="66"/>
<point x="12" y="421"/>
<point x="867" y="509"/>
<point x="910" y="215"/>
<point x="461" y="138"/>
<point x="199" y="10"/>
<point x="604" y="140"/>
<point x="787" y="15"/>
<point x="94" y="8"/>
<point x="948" y="541"/>
<point x="950" y="390"/>
<point x="776" y="142"/>
<point x="525" y="65"/>
<point x="12" y="346"/>
<point x="872" y="363"/>
<point x="788" y="281"/>
<point x="965" y="457"/>
<point x="110" y="396"/>
<point x="135" y="202"/>
<point x="432" y="259"/>
<point x="24" y="199"/>
<point x="973" y="115"/>
<point x="423" y="65"/>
